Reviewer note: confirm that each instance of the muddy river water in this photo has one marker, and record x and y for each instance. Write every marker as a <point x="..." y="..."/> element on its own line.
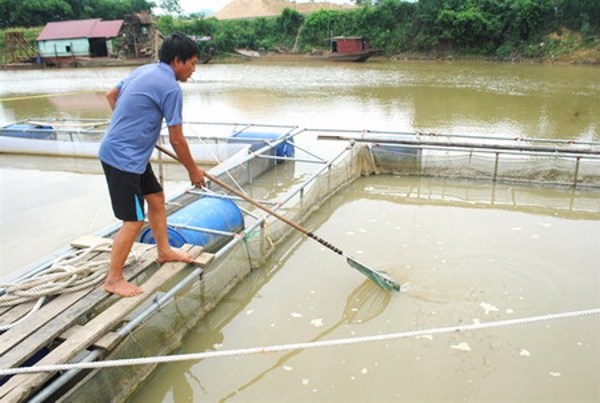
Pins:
<point x="465" y="253"/>
<point x="460" y="260"/>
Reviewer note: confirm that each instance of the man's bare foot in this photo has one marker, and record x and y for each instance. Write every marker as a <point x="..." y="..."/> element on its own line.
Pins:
<point x="122" y="288"/>
<point x="173" y="255"/>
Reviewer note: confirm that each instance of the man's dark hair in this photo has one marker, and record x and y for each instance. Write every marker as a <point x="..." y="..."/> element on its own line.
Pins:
<point x="178" y="45"/>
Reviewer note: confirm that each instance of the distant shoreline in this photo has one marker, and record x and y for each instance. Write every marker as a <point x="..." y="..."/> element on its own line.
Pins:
<point x="410" y="56"/>
<point x="308" y="57"/>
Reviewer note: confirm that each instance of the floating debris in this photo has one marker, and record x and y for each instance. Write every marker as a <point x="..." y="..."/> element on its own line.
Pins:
<point x="524" y="353"/>
<point x="488" y="307"/>
<point x="555" y="374"/>
<point x="461" y="346"/>
<point x="295" y="315"/>
<point x="364" y="371"/>
<point x="317" y="322"/>
<point x="287" y="368"/>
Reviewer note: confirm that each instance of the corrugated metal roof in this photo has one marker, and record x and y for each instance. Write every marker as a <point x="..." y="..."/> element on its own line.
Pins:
<point x="93" y="28"/>
<point x="107" y="29"/>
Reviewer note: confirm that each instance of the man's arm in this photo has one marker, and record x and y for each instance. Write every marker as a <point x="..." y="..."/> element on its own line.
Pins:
<point x="111" y="97"/>
<point x="182" y="150"/>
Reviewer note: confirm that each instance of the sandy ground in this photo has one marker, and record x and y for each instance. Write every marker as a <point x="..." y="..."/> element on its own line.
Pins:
<point x="264" y="8"/>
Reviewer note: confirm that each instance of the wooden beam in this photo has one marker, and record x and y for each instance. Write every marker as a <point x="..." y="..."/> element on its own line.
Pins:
<point x="204" y="259"/>
<point x="12" y="314"/>
<point x="87" y="241"/>
<point x="107" y="341"/>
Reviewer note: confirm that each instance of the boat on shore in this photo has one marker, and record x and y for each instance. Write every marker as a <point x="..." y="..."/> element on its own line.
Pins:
<point x="349" y="49"/>
<point x="293" y="170"/>
<point x="247" y="53"/>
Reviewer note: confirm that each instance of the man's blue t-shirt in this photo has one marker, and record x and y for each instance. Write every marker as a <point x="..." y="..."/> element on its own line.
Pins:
<point x="148" y="94"/>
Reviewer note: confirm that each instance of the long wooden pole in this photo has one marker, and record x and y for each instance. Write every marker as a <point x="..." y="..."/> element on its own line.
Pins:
<point x="381" y="278"/>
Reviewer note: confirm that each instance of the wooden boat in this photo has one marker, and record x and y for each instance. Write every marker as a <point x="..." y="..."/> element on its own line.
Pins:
<point x="352" y="56"/>
<point x="88" y="326"/>
<point x="248" y="53"/>
<point x="349" y="49"/>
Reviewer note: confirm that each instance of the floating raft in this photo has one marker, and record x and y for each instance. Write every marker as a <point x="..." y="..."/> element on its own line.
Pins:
<point x="54" y="334"/>
<point x="91" y="325"/>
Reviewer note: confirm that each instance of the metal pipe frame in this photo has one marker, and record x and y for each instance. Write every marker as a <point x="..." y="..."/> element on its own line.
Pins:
<point x="466" y="145"/>
<point x="450" y="136"/>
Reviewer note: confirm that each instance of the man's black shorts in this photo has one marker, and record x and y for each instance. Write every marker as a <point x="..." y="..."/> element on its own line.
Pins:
<point x="127" y="191"/>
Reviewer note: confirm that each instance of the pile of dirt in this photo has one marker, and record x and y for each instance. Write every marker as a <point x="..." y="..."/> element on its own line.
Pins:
<point x="267" y="8"/>
<point x="566" y="46"/>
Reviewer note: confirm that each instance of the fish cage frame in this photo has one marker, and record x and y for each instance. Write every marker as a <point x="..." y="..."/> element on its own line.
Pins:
<point x="178" y="307"/>
<point x="576" y="163"/>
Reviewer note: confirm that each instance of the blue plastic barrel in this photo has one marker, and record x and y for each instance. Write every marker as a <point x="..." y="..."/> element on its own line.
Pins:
<point x="256" y="139"/>
<point x="207" y="212"/>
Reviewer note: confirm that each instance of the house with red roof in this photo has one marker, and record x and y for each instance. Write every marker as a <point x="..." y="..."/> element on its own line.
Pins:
<point x="78" y="38"/>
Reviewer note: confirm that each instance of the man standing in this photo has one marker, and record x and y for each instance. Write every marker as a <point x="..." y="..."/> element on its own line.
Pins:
<point x="140" y="102"/>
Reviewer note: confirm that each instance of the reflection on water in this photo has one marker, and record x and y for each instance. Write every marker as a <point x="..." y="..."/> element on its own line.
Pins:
<point x="366" y="302"/>
<point x="459" y="263"/>
<point x="444" y="97"/>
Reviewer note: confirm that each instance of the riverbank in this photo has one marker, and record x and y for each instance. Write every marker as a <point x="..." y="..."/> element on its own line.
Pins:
<point x="589" y="57"/>
<point x="560" y="47"/>
<point x="78" y="62"/>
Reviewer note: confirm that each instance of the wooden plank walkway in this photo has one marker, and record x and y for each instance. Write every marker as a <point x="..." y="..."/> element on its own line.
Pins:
<point x="57" y="321"/>
<point x="68" y="307"/>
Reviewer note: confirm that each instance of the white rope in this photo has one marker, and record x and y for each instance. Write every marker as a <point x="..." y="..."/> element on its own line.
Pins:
<point x="68" y="273"/>
<point x="297" y="346"/>
<point x="216" y="157"/>
<point x="35" y="308"/>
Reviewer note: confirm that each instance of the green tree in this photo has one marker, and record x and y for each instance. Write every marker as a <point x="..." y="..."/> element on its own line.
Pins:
<point x="575" y="13"/>
<point x="289" y="22"/>
<point x="29" y="13"/>
<point x="318" y="27"/>
<point x="468" y="28"/>
<point x="529" y="16"/>
<point x="170" y="6"/>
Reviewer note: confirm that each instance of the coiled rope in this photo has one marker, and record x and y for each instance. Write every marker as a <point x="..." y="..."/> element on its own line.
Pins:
<point x="68" y="273"/>
<point x="299" y="346"/>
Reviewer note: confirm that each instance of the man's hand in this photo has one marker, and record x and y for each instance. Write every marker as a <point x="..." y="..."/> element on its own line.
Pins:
<point x="197" y="178"/>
